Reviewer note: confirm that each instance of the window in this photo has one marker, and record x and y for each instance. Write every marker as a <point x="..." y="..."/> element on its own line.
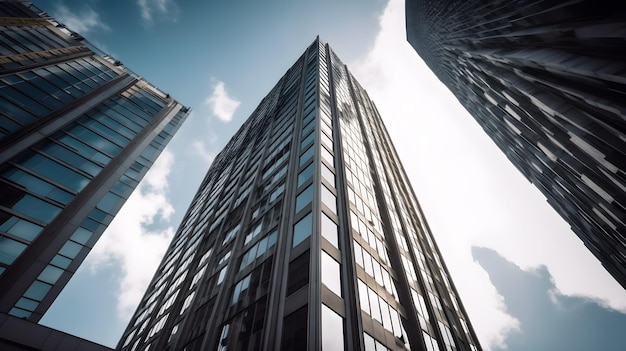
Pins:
<point x="222" y="275"/>
<point x="304" y="198"/>
<point x="302" y="229"/>
<point x="327" y="155"/>
<point x="222" y="346"/>
<point x="329" y="230"/>
<point x="305" y="174"/>
<point x="306" y="155"/>
<point x="328" y="175"/>
<point x="298" y="275"/>
<point x="329" y="199"/>
<point x="240" y="287"/>
<point x="295" y="331"/>
<point x="331" y="273"/>
<point x="19" y="227"/>
<point x="332" y="330"/>
<point x="10" y="250"/>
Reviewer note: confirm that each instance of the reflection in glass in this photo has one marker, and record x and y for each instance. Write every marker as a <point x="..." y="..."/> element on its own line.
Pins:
<point x="332" y="330"/>
<point x="331" y="273"/>
<point x="304" y="198"/>
<point x="305" y="174"/>
<point x="302" y="229"/>
<point x="329" y="199"/>
<point x="329" y="230"/>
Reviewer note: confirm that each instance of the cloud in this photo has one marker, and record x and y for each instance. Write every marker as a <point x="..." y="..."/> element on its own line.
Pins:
<point x="222" y="105"/>
<point x="470" y="192"/>
<point x="564" y="323"/>
<point x="82" y="22"/>
<point x="201" y="149"/>
<point x="130" y="240"/>
<point x="158" y="10"/>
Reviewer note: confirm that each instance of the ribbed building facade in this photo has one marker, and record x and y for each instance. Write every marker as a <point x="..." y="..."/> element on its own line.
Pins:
<point x="546" y="80"/>
<point x="304" y="235"/>
<point x="78" y="131"/>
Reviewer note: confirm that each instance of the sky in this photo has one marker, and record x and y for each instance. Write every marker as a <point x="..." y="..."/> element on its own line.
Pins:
<point x="526" y="281"/>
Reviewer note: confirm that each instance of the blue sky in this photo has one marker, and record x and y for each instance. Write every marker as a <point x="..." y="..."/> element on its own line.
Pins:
<point x="222" y="57"/>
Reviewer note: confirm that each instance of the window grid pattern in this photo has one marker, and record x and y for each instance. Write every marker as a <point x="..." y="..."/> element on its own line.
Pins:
<point x="243" y="173"/>
<point x="277" y="184"/>
<point x="41" y="182"/>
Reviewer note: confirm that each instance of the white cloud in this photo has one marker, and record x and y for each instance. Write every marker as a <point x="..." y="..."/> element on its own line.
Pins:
<point x="130" y="243"/>
<point x="471" y="194"/>
<point x="222" y="105"/>
<point x="152" y="10"/>
<point x="82" y="22"/>
<point x="201" y="149"/>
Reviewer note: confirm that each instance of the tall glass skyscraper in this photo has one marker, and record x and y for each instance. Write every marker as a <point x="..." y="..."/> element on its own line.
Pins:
<point x="304" y="234"/>
<point x="546" y="81"/>
<point x="78" y="131"/>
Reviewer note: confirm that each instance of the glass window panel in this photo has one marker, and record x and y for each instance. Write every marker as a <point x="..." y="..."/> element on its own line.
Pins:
<point x="326" y="140"/>
<point x="37" y="290"/>
<point x="61" y="261"/>
<point x="304" y="198"/>
<point x="30" y="182"/>
<point x="222" y="275"/>
<point x="56" y="172"/>
<point x="262" y="247"/>
<point x="25" y="229"/>
<point x="60" y="196"/>
<point x="108" y="202"/>
<point x="327" y="155"/>
<point x="81" y="235"/>
<point x="331" y="273"/>
<point x="84" y="149"/>
<point x="397" y="324"/>
<point x="308" y="128"/>
<point x="302" y="229"/>
<point x="367" y="259"/>
<point x="50" y="274"/>
<point x="37" y="208"/>
<point x="370" y="344"/>
<point x="95" y="140"/>
<point x="328" y="175"/>
<point x="329" y="230"/>
<point x="332" y="330"/>
<point x="10" y="250"/>
<point x="298" y="275"/>
<point x="358" y="254"/>
<point x="380" y="346"/>
<point x="306" y="141"/>
<point x="364" y="297"/>
<point x="70" y="249"/>
<point x="306" y="155"/>
<point x="271" y="240"/>
<point x="306" y="174"/>
<point x="384" y="308"/>
<point x="27" y="304"/>
<point x="19" y="313"/>
<point x="373" y="297"/>
<point x="295" y="331"/>
<point x="329" y="199"/>
<point x="71" y="158"/>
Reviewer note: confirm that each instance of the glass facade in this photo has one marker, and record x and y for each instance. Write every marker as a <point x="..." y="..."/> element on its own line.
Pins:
<point x="546" y="82"/>
<point x="304" y="234"/>
<point x="78" y="131"/>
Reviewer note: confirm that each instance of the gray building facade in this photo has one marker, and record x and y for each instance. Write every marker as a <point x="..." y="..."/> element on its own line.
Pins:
<point x="78" y="131"/>
<point x="304" y="234"/>
<point x="546" y="80"/>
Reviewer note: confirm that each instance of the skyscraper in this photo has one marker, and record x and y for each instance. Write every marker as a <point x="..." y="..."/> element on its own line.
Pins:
<point x="545" y="80"/>
<point x="304" y="234"/>
<point x="78" y="131"/>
